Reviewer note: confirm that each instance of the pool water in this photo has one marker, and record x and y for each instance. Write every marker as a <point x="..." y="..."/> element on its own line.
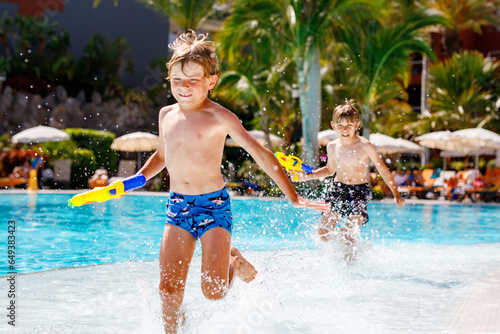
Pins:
<point x="51" y="235"/>
<point x="415" y="264"/>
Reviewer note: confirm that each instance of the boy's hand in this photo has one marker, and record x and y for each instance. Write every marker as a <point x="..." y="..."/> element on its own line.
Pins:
<point x="304" y="203"/>
<point x="296" y="177"/>
<point x="399" y="201"/>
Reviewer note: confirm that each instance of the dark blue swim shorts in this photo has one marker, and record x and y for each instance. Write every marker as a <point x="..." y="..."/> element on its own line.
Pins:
<point x="200" y="213"/>
<point x="350" y="199"/>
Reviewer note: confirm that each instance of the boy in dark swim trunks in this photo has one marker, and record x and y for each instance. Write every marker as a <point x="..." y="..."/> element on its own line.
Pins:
<point x="192" y="133"/>
<point x="349" y="194"/>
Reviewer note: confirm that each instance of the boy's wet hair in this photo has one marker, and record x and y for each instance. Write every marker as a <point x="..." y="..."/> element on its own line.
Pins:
<point x="346" y="111"/>
<point x="191" y="46"/>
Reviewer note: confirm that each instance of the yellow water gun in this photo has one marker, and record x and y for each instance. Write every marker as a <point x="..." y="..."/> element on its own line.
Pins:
<point x="115" y="190"/>
<point x="293" y="165"/>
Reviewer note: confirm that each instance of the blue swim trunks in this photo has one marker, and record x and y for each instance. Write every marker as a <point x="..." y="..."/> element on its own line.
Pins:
<point x="200" y="213"/>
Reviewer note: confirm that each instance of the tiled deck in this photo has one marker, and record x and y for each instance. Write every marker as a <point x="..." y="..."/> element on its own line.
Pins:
<point x="478" y="310"/>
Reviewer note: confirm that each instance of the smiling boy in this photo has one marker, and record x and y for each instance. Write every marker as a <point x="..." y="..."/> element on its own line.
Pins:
<point x="192" y="134"/>
<point x="349" y="193"/>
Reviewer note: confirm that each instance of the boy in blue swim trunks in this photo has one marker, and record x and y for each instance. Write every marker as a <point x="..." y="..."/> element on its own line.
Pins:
<point x="349" y="193"/>
<point x="192" y="134"/>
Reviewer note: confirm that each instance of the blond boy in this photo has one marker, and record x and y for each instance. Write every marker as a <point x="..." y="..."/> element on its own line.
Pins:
<point x="349" y="193"/>
<point x="192" y="135"/>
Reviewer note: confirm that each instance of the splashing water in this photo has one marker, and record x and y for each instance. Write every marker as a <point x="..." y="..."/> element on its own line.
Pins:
<point x="411" y="268"/>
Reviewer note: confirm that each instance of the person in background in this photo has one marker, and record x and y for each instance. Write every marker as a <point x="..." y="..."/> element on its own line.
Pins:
<point x="99" y="179"/>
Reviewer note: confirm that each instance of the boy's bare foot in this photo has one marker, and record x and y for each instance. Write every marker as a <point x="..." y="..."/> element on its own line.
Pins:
<point x="243" y="269"/>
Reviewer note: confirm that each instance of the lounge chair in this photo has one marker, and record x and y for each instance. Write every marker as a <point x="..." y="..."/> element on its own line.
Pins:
<point x="62" y="174"/>
<point x="421" y="191"/>
<point x="126" y="168"/>
<point x="491" y="189"/>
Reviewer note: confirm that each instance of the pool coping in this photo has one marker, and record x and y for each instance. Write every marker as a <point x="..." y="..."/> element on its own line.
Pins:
<point x="233" y="196"/>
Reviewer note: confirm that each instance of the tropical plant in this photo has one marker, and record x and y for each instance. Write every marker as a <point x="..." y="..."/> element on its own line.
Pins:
<point x="461" y="15"/>
<point x="295" y="31"/>
<point x="6" y="32"/>
<point x="103" y="64"/>
<point x="83" y="161"/>
<point x="379" y="52"/>
<point x="41" y="53"/>
<point x="99" y="143"/>
<point x="256" y="85"/>
<point x="464" y="92"/>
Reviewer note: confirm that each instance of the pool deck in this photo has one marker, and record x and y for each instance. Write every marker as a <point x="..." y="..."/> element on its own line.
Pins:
<point x="478" y="310"/>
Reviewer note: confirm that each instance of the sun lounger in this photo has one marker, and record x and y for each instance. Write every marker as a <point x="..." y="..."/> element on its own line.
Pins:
<point x="491" y="189"/>
<point x="421" y="191"/>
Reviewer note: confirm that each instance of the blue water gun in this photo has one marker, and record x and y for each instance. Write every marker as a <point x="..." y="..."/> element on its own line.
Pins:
<point x="115" y="190"/>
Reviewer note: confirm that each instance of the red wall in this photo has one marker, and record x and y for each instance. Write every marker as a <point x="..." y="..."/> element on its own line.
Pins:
<point x="36" y="8"/>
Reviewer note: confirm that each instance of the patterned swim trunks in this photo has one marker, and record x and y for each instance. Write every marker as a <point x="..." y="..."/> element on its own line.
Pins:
<point x="199" y="213"/>
<point x="350" y="199"/>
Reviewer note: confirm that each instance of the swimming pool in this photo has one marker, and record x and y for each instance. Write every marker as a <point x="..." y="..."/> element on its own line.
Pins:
<point x="416" y="263"/>
<point x="52" y="235"/>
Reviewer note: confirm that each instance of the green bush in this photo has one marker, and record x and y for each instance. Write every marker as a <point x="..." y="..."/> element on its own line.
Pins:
<point x="83" y="161"/>
<point x="82" y="168"/>
<point x="99" y="142"/>
<point x="458" y="165"/>
<point x="377" y="194"/>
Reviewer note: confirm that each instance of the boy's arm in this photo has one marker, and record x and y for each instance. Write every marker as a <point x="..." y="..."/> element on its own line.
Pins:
<point x="154" y="165"/>
<point x="384" y="172"/>
<point x="316" y="174"/>
<point x="156" y="162"/>
<point x="323" y="172"/>
<point x="267" y="161"/>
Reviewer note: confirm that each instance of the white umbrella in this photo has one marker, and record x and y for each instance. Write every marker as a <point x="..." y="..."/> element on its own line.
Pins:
<point x="467" y="140"/>
<point x="260" y="136"/>
<point x="477" y="137"/>
<point x="460" y="154"/>
<point x="389" y="145"/>
<point x="441" y="140"/>
<point x="326" y="136"/>
<point x="475" y="152"/>
<point x="136" y="142"/>
<point x="39" y="134"/>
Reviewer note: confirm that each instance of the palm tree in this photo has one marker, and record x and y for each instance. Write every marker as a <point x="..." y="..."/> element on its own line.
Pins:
<point x="246" y="85"/>
<point x="296" y="31"/>
<point x="380" y="52"/>
<point x="461" y="15"/>
<point x="105" y="62"/>
<point x="258" y="85"/>
<point x="464" y="93"/>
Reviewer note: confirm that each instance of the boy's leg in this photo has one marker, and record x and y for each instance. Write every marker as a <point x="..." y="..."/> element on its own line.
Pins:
<point x="176" y="252"/>
<point x="352" y="228"/>
<point x="220" y="263"/>
<point x="349" y="233"/>
<point x="327" y="224"/>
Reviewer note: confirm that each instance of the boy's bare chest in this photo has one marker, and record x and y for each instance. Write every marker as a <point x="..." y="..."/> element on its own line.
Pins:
<point x="352" y="157"/>
<point x="187" y="130"/>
